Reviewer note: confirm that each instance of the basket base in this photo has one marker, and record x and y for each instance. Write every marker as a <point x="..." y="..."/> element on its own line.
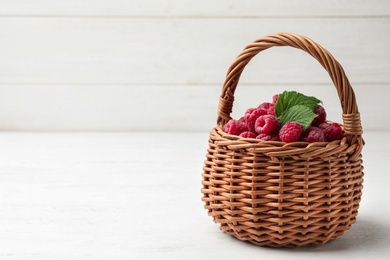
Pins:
<point x="289" y="240"/>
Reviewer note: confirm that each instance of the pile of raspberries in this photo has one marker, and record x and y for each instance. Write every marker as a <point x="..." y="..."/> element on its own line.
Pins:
<point x="261" y="123"/>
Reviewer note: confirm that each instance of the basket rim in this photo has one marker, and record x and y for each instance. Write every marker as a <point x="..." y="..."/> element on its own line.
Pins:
<point x="282" y="149"/>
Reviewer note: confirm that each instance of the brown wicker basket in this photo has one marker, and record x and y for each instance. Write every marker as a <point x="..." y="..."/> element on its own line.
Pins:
<point x="284" y="194"/>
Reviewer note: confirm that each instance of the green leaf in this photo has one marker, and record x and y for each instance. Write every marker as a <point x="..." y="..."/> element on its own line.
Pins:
<point x="301" y="114"/>
<point x="288" y="99"/>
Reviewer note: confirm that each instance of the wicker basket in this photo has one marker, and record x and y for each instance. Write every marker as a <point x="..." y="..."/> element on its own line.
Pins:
<point x="284" y="194"/>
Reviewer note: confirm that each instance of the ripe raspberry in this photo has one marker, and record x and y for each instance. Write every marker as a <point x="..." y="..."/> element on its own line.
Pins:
<point x="313" y="134"/>
<point x="251" y="115"/>
<point x="271" y="110"/>
<point x="266" y="137"/>
<point x="249" y="111"/>
<point x="320" y="111"/>
<point x="290" y="132"/>
<point x="332" y="131"/>
<point x="305" y="133"/>
<point x="267" y="124"/>
<point x="264" y="105"/>
<point x="275" y="99"/>
<point x="234" y="127"/>
<point x="248" y="134"/>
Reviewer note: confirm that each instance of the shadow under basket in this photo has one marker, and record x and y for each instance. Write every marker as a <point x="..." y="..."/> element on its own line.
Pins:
<point x="277" y="194"/>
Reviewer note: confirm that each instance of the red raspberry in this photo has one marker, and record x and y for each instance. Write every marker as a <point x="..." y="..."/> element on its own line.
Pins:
<point x="290" y="132"/>
<point x="251" y="115"/>
<point x="266" y="137"/>
<point x="267" y="124"/>
<point x="320" y="111"/>
<point x="271" y="110"/>
<point x="234" y="127"/>
<point x="249" y="111"/>
<point x="275" y="99"/>
<point x="306" y="133"/>
<point x="248" y="134"/>
<point x="332" y="131"/>
<point x="313" y="134"/>
<point x="264" y="105"/>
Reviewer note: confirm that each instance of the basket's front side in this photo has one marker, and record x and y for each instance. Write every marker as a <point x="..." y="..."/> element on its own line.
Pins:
<point x="273" y="194"/>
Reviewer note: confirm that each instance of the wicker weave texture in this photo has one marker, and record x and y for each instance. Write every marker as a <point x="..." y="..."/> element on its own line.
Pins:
<point x="284" y="194"/>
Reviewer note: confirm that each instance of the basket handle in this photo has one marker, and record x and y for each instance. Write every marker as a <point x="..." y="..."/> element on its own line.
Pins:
<point x="351" y="115"/>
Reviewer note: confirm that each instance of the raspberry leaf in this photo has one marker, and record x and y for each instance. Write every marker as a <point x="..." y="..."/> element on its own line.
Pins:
<point x="288" y="99"/>
<point x="301" y="114"/>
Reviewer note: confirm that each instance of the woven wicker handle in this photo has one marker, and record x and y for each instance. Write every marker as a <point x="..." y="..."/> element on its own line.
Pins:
<point x="351" y="116"/>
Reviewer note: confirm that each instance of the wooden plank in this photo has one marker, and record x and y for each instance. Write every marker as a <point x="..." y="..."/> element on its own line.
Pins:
<point x="200" y="8"/>
<point x="158" y="108"/>
<point x="182" y="51"/>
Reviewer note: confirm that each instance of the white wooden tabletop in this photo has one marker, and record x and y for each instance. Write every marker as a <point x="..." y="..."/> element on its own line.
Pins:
<point x="137" y="196"/>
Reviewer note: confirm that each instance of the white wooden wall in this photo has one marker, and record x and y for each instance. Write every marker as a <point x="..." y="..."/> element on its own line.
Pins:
<point x="158" y="65"/>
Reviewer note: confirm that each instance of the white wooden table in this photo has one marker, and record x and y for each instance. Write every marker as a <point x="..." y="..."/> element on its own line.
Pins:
<point x="137" y="196"/>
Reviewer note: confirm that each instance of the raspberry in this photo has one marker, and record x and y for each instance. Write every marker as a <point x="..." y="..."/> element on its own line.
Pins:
<point x="234" y="127"/>
<point x="271" y="110"/>
<point x="266" y="137"/>
<point x="248" y="134"/>
<point x="275" y="99"/>
<point x="306" y="133"/>
<point x="267" y="124"/>
<point x="320" y="111"/>
<point x="249" y="111"/>
<point x="313" y="134"/>
<point x="290" y="132"/>
<point x="251" y="116"/>
<point x="264" y="105"/>
<point x="332" y="131"/>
